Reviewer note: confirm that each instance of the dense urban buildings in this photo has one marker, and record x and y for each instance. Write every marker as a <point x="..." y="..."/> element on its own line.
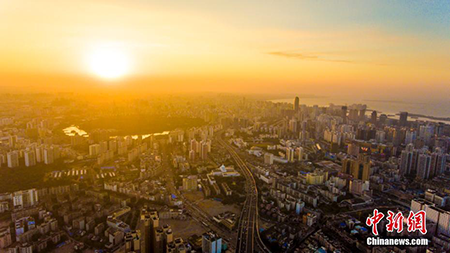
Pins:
<point x="246" y="175"/>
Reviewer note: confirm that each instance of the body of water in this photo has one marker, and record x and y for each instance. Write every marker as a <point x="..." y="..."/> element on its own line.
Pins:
<point x="388" y="107"/>
<point x="76" y="130"/>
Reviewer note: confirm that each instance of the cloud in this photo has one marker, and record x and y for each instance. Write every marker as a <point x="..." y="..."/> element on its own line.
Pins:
<point x="294" y="55"/>
<point x="308" y="56"/>
<point x="324" y="57"/>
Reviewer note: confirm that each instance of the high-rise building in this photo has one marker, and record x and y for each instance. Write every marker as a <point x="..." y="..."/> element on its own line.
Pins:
<point x="301" y="153"/>
<point x="13" y="159"/>
<point x="410" y="136"/>
<point x="424" y="166"/>
<point x="158" y="240"/>
<point x="133" y="241"/>
<point x="112" y="145"/>
<point x="24" y="199"/>
<point x="438" y="161"/>
<point x="211" y="243"/>
<point x="290" y="152"/>
<point x="426" y="133"/>
<point x="296" y="103"/>
<point x="344" y="114"/>
<point x="358" y="168"/>
<point x="208" y="143"/>
<point x="316" y="177"/>
<point x="362" y="114"/>
<point x="190" y="183"/>
<point x="293" y="125"/>
<point x="438" y="216"/>
<point x="353" y="115"/>
<point x="103" y="146"/>
<point x="204" y="150"/>
<point x="358" y="187"/>
<point x="30" y="158"/>
<point x="192" y="155"/>
<point x="176" y="246"/>
<point x="167" y="237"/>
<point x="149" y="221"/>
<point x="49" y="155"/>
<point x="12" y="141"/>
<point x="382" y="119"/>
<point x="303" y="134"/>
<point x="94" y="149"/>
<point x="373" y="117"/>
<point x="268" y="158"/>
<point x="407" y="162"/>
<point x="5" y="237"/>
<point x="39" y="154"/>
<point x="347" y="166"/>
<point x="403" y="121"/>
<point x="193" y="145"/>
<point x="353" y="149"/>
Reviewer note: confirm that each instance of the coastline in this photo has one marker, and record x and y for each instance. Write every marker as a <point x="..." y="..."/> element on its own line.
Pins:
<point x="381" y="106"/>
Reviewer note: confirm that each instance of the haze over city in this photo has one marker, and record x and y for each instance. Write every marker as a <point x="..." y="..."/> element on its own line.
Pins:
<point x="173" y="126"/>
<point x="370" y="49"/>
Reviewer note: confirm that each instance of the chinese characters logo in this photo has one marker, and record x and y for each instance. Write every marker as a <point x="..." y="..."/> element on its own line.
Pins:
<point x="414" y="221"/>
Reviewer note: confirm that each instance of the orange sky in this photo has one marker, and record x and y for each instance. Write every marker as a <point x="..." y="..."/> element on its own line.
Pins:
<point x="371" y="49"/>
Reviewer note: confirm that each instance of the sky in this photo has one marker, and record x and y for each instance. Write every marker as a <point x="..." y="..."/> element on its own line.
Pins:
<point x="371" y="49"/>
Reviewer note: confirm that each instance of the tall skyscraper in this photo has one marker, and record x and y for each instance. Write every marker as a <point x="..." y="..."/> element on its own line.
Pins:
<point x="303" y="134"/>
<point x="301" y="153"/>
<point x="383" y="118"/>
<point x="293" y="126"/>
<point x="211" y="243"/>
<point x="361" y="168"/>
<point x="353" y="115"/>
<point x="30" y="158"/>
<point x="296" y="103"/>
<point x="347" y="166"/>
<point x="39" y="154"/>
<point x="362" y="114"/>
<point x="192" y="155"/>
<point x="49" y="156"/>
<point x="358" y="168"/>
<point x="167" y="237"/>
<point x="12" y="140"/>
<point x="133" y="241"/>
<point x="158" y="240"/>
<point x="407" y="163"/>
<point x="373" y="117"/>
<point x="438" y="159"/>
<point x="410" y="136"/>
<point x="13" y="159"/>
<point x="94" y="149"/>
<point x="148" y="223"/>
<point x="423" y="166"/>
<point x="204" y="150"/>
<point x="344" y="113"/>
<point x="403" y="121"/>
<point x="290" y="152"/>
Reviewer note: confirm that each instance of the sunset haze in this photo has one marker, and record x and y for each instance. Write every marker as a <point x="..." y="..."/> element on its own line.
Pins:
<point x="342" y="48"/>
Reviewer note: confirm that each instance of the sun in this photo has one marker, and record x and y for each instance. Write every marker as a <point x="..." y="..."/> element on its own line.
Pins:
<point x="109" y="62"/>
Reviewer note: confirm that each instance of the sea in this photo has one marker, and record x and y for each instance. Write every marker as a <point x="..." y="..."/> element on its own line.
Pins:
<point x="391" y="108"/>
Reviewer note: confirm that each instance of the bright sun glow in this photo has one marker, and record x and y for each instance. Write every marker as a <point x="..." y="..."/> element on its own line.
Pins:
<point x="109" y="62"/>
